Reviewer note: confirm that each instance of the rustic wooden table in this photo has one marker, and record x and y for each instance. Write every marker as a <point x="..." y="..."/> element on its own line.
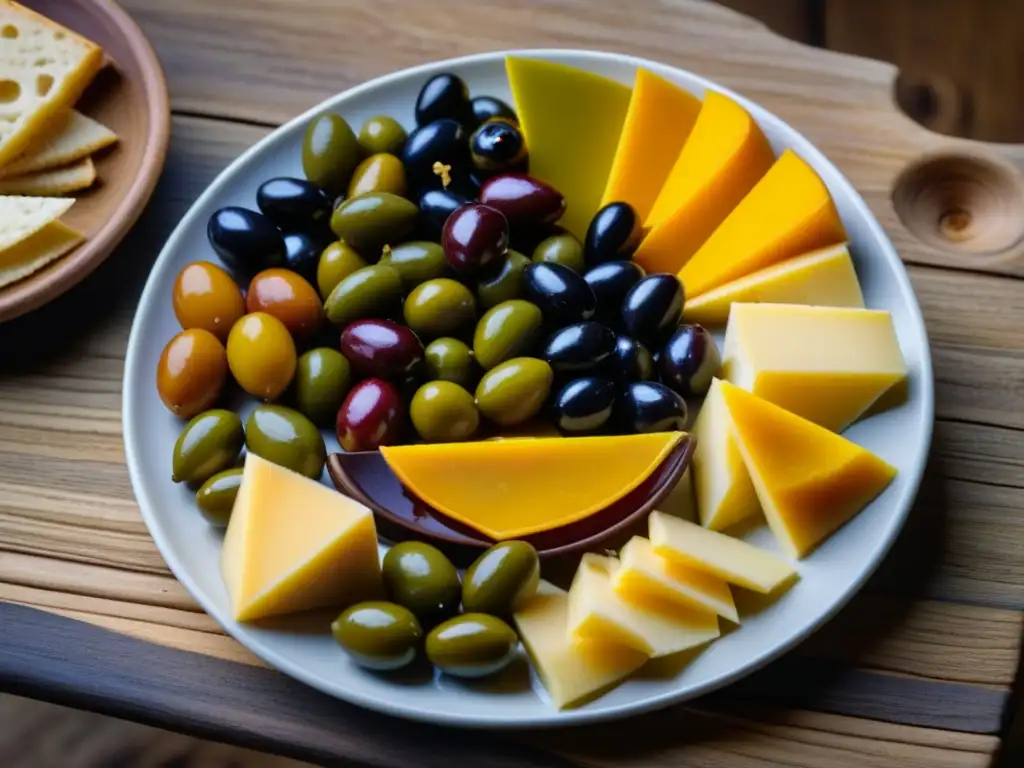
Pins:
<point x="916" y="673"/>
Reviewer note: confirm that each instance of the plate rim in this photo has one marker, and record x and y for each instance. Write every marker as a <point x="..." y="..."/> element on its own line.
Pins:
<point x="547" y="717"/>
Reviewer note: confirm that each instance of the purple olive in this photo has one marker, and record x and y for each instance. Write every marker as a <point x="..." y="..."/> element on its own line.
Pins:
<point x="474" y="236"/>
<point x="689" y="361"/>
<point x="523" y="199"/>
<point x="371" y="415"/>
<point x="382" y="348"/>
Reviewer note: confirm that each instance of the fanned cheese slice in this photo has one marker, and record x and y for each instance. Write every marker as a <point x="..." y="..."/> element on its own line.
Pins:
<point x="44" y="67"/>
<point x="36" y="251"/>
<point x="51" y="182"/>
<point x="76" y="136"/>
<point x="22" y="217"/>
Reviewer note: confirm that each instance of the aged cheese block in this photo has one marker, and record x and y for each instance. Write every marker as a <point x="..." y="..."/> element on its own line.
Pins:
<point x="729" y="558"/>
<point x="721" y="484"/>
<point x="572" y="671"/>
<point x="597" y="613"/>
<point x="724" y="156"/>
<point x="644" y="576"/>
<point x="36" y="251"/>
<point x="511" y="488"/>
<point x="824" y="278"/>
<point x="659" y="119"/>
<point x="572" y="120"/>
<point x="827" y="364"/>
<point x="293" y="544"/>
<point x="810" y="481"/>
<point x="787" y="213"/>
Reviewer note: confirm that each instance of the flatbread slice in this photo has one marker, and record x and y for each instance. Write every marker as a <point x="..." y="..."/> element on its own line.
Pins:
<point x="44" y="67"/>
<point x="22" y="217"/>
<point x="52" y="182"/>
<point x="77" y="136"/>
<point x="36" y="251"/>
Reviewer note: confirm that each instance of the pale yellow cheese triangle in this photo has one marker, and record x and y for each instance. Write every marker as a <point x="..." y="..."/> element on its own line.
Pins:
<point x="35" y="252"/>
<point x="76" y="136"/>
<point x="21" y="217"/>
<point x="53" y="181"/>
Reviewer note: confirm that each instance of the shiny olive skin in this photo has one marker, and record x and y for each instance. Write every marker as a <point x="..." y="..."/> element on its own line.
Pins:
<point x="449" y="359"/>
<point x="610" y="283"/>
<point x="614" y="234"/>
<point x="330" y="153"/>
<point x="261" y="355"/>
<point x="631" y="361"/>
<point x="579" y="347"/>
<point x="378" y="635"/>
<point x="191" y="372"/>
<point x="563" y="296"/>
<point x="441" y="141"/>
<point x="510" y="329"/>
<point x="216" y="497"/>
<point x="561" y="249"/>
<point x="295" y="205"/>
<point x="206" y="297"/>
<point x="502" y="580"/>
<point x="498" y="147"/>
<point x="473" y="237"/>
<point x="514" y="391"/>
<point x="371" y="415"/>
<point x="323" y="377"/>
<point x="419" y="577"/>
<point x="245" y="240"/>
<point x="381" y="134"/>
<point x="443" y="96"/>
<point x="486" y="108"/>
<point x="471" y="645"/>
<point x="288" y="297"/>
<point x="303" y="250"/>
<point x="689" y="361"/>
<point x="285" y="437"/>
<point x="647" y="406"/>
<point x="584" y="405"/>
<point x="374" y="291"/>
<point x="653" y="307"/>
<point x="439" y="308"/>
<point x="337" y="261"/>
<point x="210" y="443"/>
<point x="524" y="200"/>
<point x="382" y="348"/>
<point x="443" y="412"/>
<point x="416" y="261"/>
<point x="373" y="219"/>
<point x="436" y="205"/>
<point x="503" y="283"/>
<point x="378" y="173"/>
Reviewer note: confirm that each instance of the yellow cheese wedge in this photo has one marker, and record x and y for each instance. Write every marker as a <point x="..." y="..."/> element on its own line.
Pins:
<point x="787" y="213"/>
<point x="827" y="364"/>
<point x="721" y="483"/>
<point x="824" y="278"/>
<point x="572" y="120"/>
<point x="294" y="544"/>
<point x="36" y="251"/>
<point x="659" y="118"/>
<point x="733" y="560"/>
<point x="810" y="481"/>
<point x="597" y="613"/>
<point x="572" y="671"/>
<point x="643" y="577"/>
<point x="75" y="136"/>
<point x="511" y="488"/>
<point x="51" y="182"/>
<point x="724" y="156"/>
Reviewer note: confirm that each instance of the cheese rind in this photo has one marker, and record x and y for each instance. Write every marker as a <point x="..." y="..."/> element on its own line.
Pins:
<point x="728" y="558"/>
<point x="36" y="251"/>
<point x="827" y="364"/>
<point x="824" y="278"/>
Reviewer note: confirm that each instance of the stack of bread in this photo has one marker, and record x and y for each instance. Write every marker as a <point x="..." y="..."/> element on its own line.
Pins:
<point x="46" y="145"/>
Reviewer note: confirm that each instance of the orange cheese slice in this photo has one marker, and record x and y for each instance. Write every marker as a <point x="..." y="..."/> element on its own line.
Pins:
<point x="789" y="212"/>
<point x="724" y="156"/>
<point x="658" y="121"/>
<point x="810" y="481"/>
<point x="511" y="488"/>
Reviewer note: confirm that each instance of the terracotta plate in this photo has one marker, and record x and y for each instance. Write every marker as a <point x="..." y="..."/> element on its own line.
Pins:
<point x="130" y="97"/>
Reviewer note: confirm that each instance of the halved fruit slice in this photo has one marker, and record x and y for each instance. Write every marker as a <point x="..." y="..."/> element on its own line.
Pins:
<point x="511" y="488"/>
<point x="810" y="481"/>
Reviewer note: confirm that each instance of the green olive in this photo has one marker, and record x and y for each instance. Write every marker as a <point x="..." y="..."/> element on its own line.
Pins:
<point x="372" y="220"/>
<point x="322" y="379"/>
<point x="451" y="360"/>
<point x="443" y="412"/>
<point x="502" y="579"/>
<point x="378" y="173"/>
<point x="510" y="329"/>
<point x="338" y="261"/>
<point x="378" y="635"/>
<point x="209" y="443"/>
<point x="439" y="307"/>
<point x="330" y="153"/>
<point x="382" y="134"/>
<point x="286" y="437"/>
<point x="374" y="291"/>
<point x="514" y="391"/>
<point x="419" y="577"/>
<point x="416" y="261"/>
<point x="561" y="249"/>
<point x="216" y="497"/>
<point x="506" y="284"/>
<point x="471" y="645"/>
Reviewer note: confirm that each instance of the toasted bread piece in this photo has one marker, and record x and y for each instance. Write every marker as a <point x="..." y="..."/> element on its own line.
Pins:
<point x="53" y="182"/>
<point x="76" y="136"/>
<point x="36" y="251"/>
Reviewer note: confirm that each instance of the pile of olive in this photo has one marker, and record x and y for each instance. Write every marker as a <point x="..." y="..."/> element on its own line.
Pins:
<point x="424" y="593"/>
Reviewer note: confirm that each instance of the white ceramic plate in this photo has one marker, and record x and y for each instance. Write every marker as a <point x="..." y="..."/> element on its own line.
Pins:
<point x="829" y="577"/>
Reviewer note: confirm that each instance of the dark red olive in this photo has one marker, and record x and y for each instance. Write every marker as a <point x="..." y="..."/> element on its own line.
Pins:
<point x="584" y="405"/>
<point x="610" y="283"/>
<point x="614" y="234"/>
<point x="689" y="360"/>
<point x="653" y="308"/>
<point x="382" y="348"/>
<point x="647" y="406"/>
<point x="523" y="199"/>
<point x="579" y="347"/>
<point x="563" y="296"/>
<point x="371" y="415"/>
<point x="473" y="237"/>
<point x="631" y="361"/>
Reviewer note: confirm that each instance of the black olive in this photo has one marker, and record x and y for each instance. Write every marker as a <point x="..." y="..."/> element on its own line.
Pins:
<point x="443" y="96"/>
<point x="486" y="108"/>
<point x="563" y="296"/>
<point x="689" y="360"/>
<point x="295" y="205"/>
<point x="653" y="308"/>
<point x="436" y="205"/>
<point x="303" y="253"/>
<point x="614" y="234"/>
<point x="630" y="361"/>
<point x="583" y="405"/>
<point x="442" y="141"/>
<point x="647" y="406"/>
<point x="610" y="283"/>
<point x="247" y="242"/>
<point x="579" y="347"/>
<point x="497" y="147"/>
